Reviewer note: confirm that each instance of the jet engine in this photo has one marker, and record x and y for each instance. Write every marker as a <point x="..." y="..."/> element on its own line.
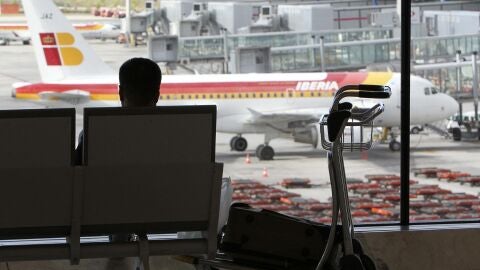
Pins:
<point x="308" y="135"/>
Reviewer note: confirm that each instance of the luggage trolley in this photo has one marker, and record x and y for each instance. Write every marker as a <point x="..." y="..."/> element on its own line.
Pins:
<point x="344" y="128"/>
<point x="348" y="129"/>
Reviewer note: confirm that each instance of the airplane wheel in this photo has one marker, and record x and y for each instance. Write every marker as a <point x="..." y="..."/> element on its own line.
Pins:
<point x="232" y="142"/>
<point x="395" y="146"/>
<point x="265" y="152"/>
<point x="457" y="134"/>
<point x="238" y="143"/>
<point x="415" y="130"/>
<point x="258" y="150"/>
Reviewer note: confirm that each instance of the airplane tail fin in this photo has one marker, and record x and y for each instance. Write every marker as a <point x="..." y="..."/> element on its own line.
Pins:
<point x="61" y="52"/>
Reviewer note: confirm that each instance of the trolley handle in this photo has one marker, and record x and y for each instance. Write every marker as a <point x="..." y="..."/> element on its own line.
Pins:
<point x="336" y="122"/>
<point x="386" y="93"/>
<point x="367" y="117"/>
<point x="362" y="87"/>
<point x="371" y="87"/>
<point x="365" y="113"/>
<point x="374" y="94"/>
<point x="346" y="88"/>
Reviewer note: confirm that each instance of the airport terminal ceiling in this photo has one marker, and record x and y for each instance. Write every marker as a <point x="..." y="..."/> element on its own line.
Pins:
<point x="281" y="72"/>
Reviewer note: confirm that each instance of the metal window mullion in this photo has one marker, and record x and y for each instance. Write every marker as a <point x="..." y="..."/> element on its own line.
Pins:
<point x="405" y="114"/>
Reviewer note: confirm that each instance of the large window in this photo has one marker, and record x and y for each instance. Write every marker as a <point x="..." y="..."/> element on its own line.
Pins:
<point x="444" y="177"/>
<point x="445" y="187"/>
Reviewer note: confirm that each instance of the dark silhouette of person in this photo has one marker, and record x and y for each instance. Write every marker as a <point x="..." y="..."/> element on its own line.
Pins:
<point x="139" y="86"/>
<point x="139" y="83"/>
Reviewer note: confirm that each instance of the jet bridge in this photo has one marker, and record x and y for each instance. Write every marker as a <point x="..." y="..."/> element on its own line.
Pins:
<point x="211" y="47"/>
<point x="358" y="54"/>
<point x="357" y="16"/>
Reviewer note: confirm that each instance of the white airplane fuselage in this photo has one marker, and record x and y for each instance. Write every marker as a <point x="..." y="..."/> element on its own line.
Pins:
<point x="234" y="107"/>
<point x="277" y="105"/>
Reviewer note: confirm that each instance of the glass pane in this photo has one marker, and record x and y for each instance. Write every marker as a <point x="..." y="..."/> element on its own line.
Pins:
<point x="444" y="150"/>
<point x="282" y="109"/>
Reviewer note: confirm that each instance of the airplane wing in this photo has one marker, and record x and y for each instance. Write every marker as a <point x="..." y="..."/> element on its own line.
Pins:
<point x="300" y="124"/>
<point x="72" y="96"/>
<point x="307" y="116"/>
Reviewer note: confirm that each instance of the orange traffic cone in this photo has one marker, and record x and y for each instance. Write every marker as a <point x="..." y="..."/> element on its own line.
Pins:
<point x="364" y="155"/>
<point x="265" y="172"/>
<point x="247" y="159"/>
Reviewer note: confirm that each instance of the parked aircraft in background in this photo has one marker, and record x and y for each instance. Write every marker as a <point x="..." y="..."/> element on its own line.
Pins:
<point x="20" y="32"/>
<point x="277" y="105"/>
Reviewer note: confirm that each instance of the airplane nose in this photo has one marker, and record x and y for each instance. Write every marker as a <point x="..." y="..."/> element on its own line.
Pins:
<point x="449" y="106"/>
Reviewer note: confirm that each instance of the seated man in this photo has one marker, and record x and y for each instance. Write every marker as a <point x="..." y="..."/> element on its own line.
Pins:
<point x="139" y="86"/>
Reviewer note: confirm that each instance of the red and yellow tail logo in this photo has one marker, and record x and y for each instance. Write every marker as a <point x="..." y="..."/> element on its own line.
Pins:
<point x="60" y="44"/>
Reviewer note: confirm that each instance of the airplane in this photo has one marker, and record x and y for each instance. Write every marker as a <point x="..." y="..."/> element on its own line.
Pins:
<point x="20" y="32"/>
<point x="276" y="105"/>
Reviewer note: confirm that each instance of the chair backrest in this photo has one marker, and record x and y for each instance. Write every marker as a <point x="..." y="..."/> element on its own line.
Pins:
<point x="156" y="135"/>
<point x="36" y="154"/>
<point x="38" y="138"/>
<point x="167" y="180"/>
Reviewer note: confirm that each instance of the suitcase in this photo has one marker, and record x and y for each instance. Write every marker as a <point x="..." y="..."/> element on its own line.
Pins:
<point x="271" y="240"/>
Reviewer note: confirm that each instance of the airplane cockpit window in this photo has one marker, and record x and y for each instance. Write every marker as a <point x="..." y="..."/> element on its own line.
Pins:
<point x="427" y="91"/>
<point x="434" y="90"/>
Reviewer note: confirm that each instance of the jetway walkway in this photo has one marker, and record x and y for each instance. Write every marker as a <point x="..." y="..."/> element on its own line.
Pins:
<point x="333" y="50"/>
<point x="359" y="54"/>
<point x="357" y="16"/>
<point x="212" y="47"/>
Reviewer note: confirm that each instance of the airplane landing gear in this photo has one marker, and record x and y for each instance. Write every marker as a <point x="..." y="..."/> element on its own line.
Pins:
<point x="238" y="143"/>
<point x="265" y="152"/>
<point x="394" y="145"/>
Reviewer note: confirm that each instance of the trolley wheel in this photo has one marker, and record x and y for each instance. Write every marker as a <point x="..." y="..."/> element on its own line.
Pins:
<point x="351" y="262"/>
<point x="395" y="146"/>
<point x="265" y="152"/>
<point x="367" y="262"/>
<point x="357" y="247"/>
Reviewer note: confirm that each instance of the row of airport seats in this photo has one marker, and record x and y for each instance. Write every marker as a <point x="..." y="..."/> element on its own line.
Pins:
<point x="146" y="171"/>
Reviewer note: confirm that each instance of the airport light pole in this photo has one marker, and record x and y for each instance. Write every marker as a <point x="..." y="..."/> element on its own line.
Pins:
<point x="312" y="56"/>
<point x="322" y="54"/>
<point x="459" y="86"/>
<point x="225" y="50"/>
<point x="127" y="22"/>
<point x="475" y="85"/>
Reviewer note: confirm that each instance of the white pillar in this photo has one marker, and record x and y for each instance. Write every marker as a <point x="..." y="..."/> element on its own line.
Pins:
<point x="399" y="11"/>
<point x="225" y="50"/>
<point x="127" y="13"/>
<point x="475" y="84"/>
<point x="459" y="84"/>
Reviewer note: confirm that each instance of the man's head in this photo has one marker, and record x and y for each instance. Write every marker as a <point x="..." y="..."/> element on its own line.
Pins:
<point x="139" y="82"/>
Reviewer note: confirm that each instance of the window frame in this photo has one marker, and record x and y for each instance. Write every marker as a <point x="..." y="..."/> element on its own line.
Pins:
<point x="405" y="73"/>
